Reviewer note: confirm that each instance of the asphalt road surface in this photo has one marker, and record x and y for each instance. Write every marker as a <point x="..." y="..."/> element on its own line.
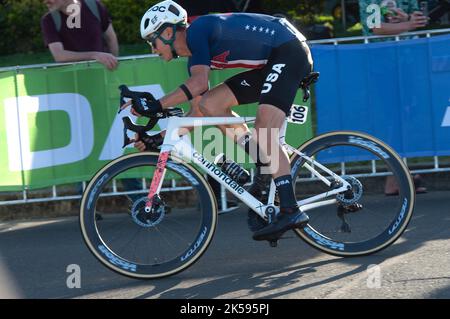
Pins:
<point x="34" y="258"/>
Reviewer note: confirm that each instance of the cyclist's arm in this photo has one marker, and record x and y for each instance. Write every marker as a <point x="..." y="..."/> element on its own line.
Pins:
<point x="197" y="84"/>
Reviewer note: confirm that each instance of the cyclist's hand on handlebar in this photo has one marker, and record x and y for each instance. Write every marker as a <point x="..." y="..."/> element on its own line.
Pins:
<point x="138" y="144"/>
<point x="146" y="107"/>
<point x="144" y="142"/>
<point x="123" y="107"/>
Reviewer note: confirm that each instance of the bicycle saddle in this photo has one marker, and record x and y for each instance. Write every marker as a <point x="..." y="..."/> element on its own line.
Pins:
<point x="307" y="81"/>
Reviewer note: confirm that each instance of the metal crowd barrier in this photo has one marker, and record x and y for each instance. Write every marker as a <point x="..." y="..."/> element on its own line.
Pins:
<point x="436" y="165"/>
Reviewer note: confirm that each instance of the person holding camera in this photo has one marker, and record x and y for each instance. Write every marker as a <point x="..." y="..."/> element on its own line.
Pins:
<point x="397" y="16"/>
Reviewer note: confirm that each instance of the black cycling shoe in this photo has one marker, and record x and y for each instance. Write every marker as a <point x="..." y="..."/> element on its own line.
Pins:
<point x="285" y="221"/>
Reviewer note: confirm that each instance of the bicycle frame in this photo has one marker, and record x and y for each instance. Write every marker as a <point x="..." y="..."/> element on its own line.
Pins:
<point x="182" y="147"/>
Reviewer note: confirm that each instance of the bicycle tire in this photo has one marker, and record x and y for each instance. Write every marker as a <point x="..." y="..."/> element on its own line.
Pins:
<point x="406" y="194"/>
<point x="108" y="257"/>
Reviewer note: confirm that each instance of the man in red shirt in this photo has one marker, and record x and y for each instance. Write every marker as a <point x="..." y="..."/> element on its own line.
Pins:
<point x="80" y="30"/>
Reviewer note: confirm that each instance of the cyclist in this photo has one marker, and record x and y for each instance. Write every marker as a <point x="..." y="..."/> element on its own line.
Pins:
<point x="279" y="58"/>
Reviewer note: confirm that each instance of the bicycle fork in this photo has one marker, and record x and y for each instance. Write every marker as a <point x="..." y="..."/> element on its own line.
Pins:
<point x="157" y="179"/>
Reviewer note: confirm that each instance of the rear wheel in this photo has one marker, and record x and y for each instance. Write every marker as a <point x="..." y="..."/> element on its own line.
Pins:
<point x="363" y="220"/>
<point x="147" y="245"/>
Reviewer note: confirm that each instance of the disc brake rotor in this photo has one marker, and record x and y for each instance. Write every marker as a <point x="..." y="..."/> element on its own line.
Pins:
<point x="353" y="195"/>
<point x="151" y="219"/>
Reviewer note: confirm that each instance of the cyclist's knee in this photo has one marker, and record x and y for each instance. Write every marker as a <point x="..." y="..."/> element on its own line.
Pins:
<point x="195" y="110"/>
<point x="210" y="105"/>
<point x="269" y="116"/>
<point x="218" y="101"/>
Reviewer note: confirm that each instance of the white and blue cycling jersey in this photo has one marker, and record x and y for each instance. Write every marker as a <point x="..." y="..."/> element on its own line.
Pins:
<point x="237" y="39"/>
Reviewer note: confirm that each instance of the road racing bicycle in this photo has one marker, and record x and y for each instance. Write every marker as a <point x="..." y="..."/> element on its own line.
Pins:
<point x="161" y="228"/>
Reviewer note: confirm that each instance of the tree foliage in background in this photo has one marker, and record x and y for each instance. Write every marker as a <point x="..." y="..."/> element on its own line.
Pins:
<point x="126" y="16"/>
<point x="20" y="26"/>
<point x="21" y="32"/>
<point x="304" y="12"/>
<point x="21" y="29"/>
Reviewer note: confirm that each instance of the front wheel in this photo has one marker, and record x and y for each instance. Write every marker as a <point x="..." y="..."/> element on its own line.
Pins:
<point x="363" y="220"/>
<point x="140" y="244"/>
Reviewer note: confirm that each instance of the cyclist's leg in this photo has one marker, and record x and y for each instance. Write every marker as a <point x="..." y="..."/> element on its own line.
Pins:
<point x="218" y="102"/>
<point x="221" y="100"/>
<point x="269" y="121"/>
<point x="242" y="88"/>
<point x="286" y="67"/>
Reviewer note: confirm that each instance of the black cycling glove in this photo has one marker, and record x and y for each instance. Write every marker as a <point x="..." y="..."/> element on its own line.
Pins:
<point x="147" y="107"/>
<point x="144" y="103"/>
<point x="151" y="142"/>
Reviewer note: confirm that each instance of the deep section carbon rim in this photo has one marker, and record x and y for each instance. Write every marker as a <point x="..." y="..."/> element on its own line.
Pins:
<point x="355" y="225"/>
<point x="130" y="241"/>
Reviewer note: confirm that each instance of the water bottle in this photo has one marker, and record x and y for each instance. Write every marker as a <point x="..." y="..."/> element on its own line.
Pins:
<point x="232" y="169"/>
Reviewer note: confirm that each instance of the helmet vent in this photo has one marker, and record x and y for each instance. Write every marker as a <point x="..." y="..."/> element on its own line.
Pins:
<point x="174" y="10"/>
<point x="146" y="23"/>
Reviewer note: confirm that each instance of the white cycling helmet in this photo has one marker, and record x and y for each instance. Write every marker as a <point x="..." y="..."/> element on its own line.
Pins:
<point x="164" y="13"/>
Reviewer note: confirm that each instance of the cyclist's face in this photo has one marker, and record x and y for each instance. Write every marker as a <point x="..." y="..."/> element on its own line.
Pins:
<point x="163" y="50"/>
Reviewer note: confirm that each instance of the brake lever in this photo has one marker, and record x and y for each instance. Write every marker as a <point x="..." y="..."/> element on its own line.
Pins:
<point x="124" y="92"/>
<point x="128" y="124"/>
<point x="135" y="96"/>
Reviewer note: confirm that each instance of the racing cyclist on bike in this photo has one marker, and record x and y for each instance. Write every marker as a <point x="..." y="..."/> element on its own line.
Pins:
<point x="279" y="58"/>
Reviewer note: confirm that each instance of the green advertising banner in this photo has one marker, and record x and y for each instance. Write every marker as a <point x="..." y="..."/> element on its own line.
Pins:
<point x="60" y="124"/>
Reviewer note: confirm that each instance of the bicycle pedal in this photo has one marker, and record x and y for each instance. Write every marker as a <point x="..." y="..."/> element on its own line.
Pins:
<point x="273" y="243"/>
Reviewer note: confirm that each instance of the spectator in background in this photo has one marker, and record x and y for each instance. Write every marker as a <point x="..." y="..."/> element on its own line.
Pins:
<point x="397" y="16"/>
<point x="80" y="30"/>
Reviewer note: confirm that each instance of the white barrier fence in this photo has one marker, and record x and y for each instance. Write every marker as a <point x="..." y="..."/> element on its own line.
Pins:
<point x="431" y="165"/>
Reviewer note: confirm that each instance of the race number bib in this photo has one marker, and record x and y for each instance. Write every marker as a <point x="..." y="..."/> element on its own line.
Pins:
<point x="299" y="114"/>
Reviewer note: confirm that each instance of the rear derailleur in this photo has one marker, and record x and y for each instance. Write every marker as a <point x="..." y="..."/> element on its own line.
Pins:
<point x="347" y="202"/>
